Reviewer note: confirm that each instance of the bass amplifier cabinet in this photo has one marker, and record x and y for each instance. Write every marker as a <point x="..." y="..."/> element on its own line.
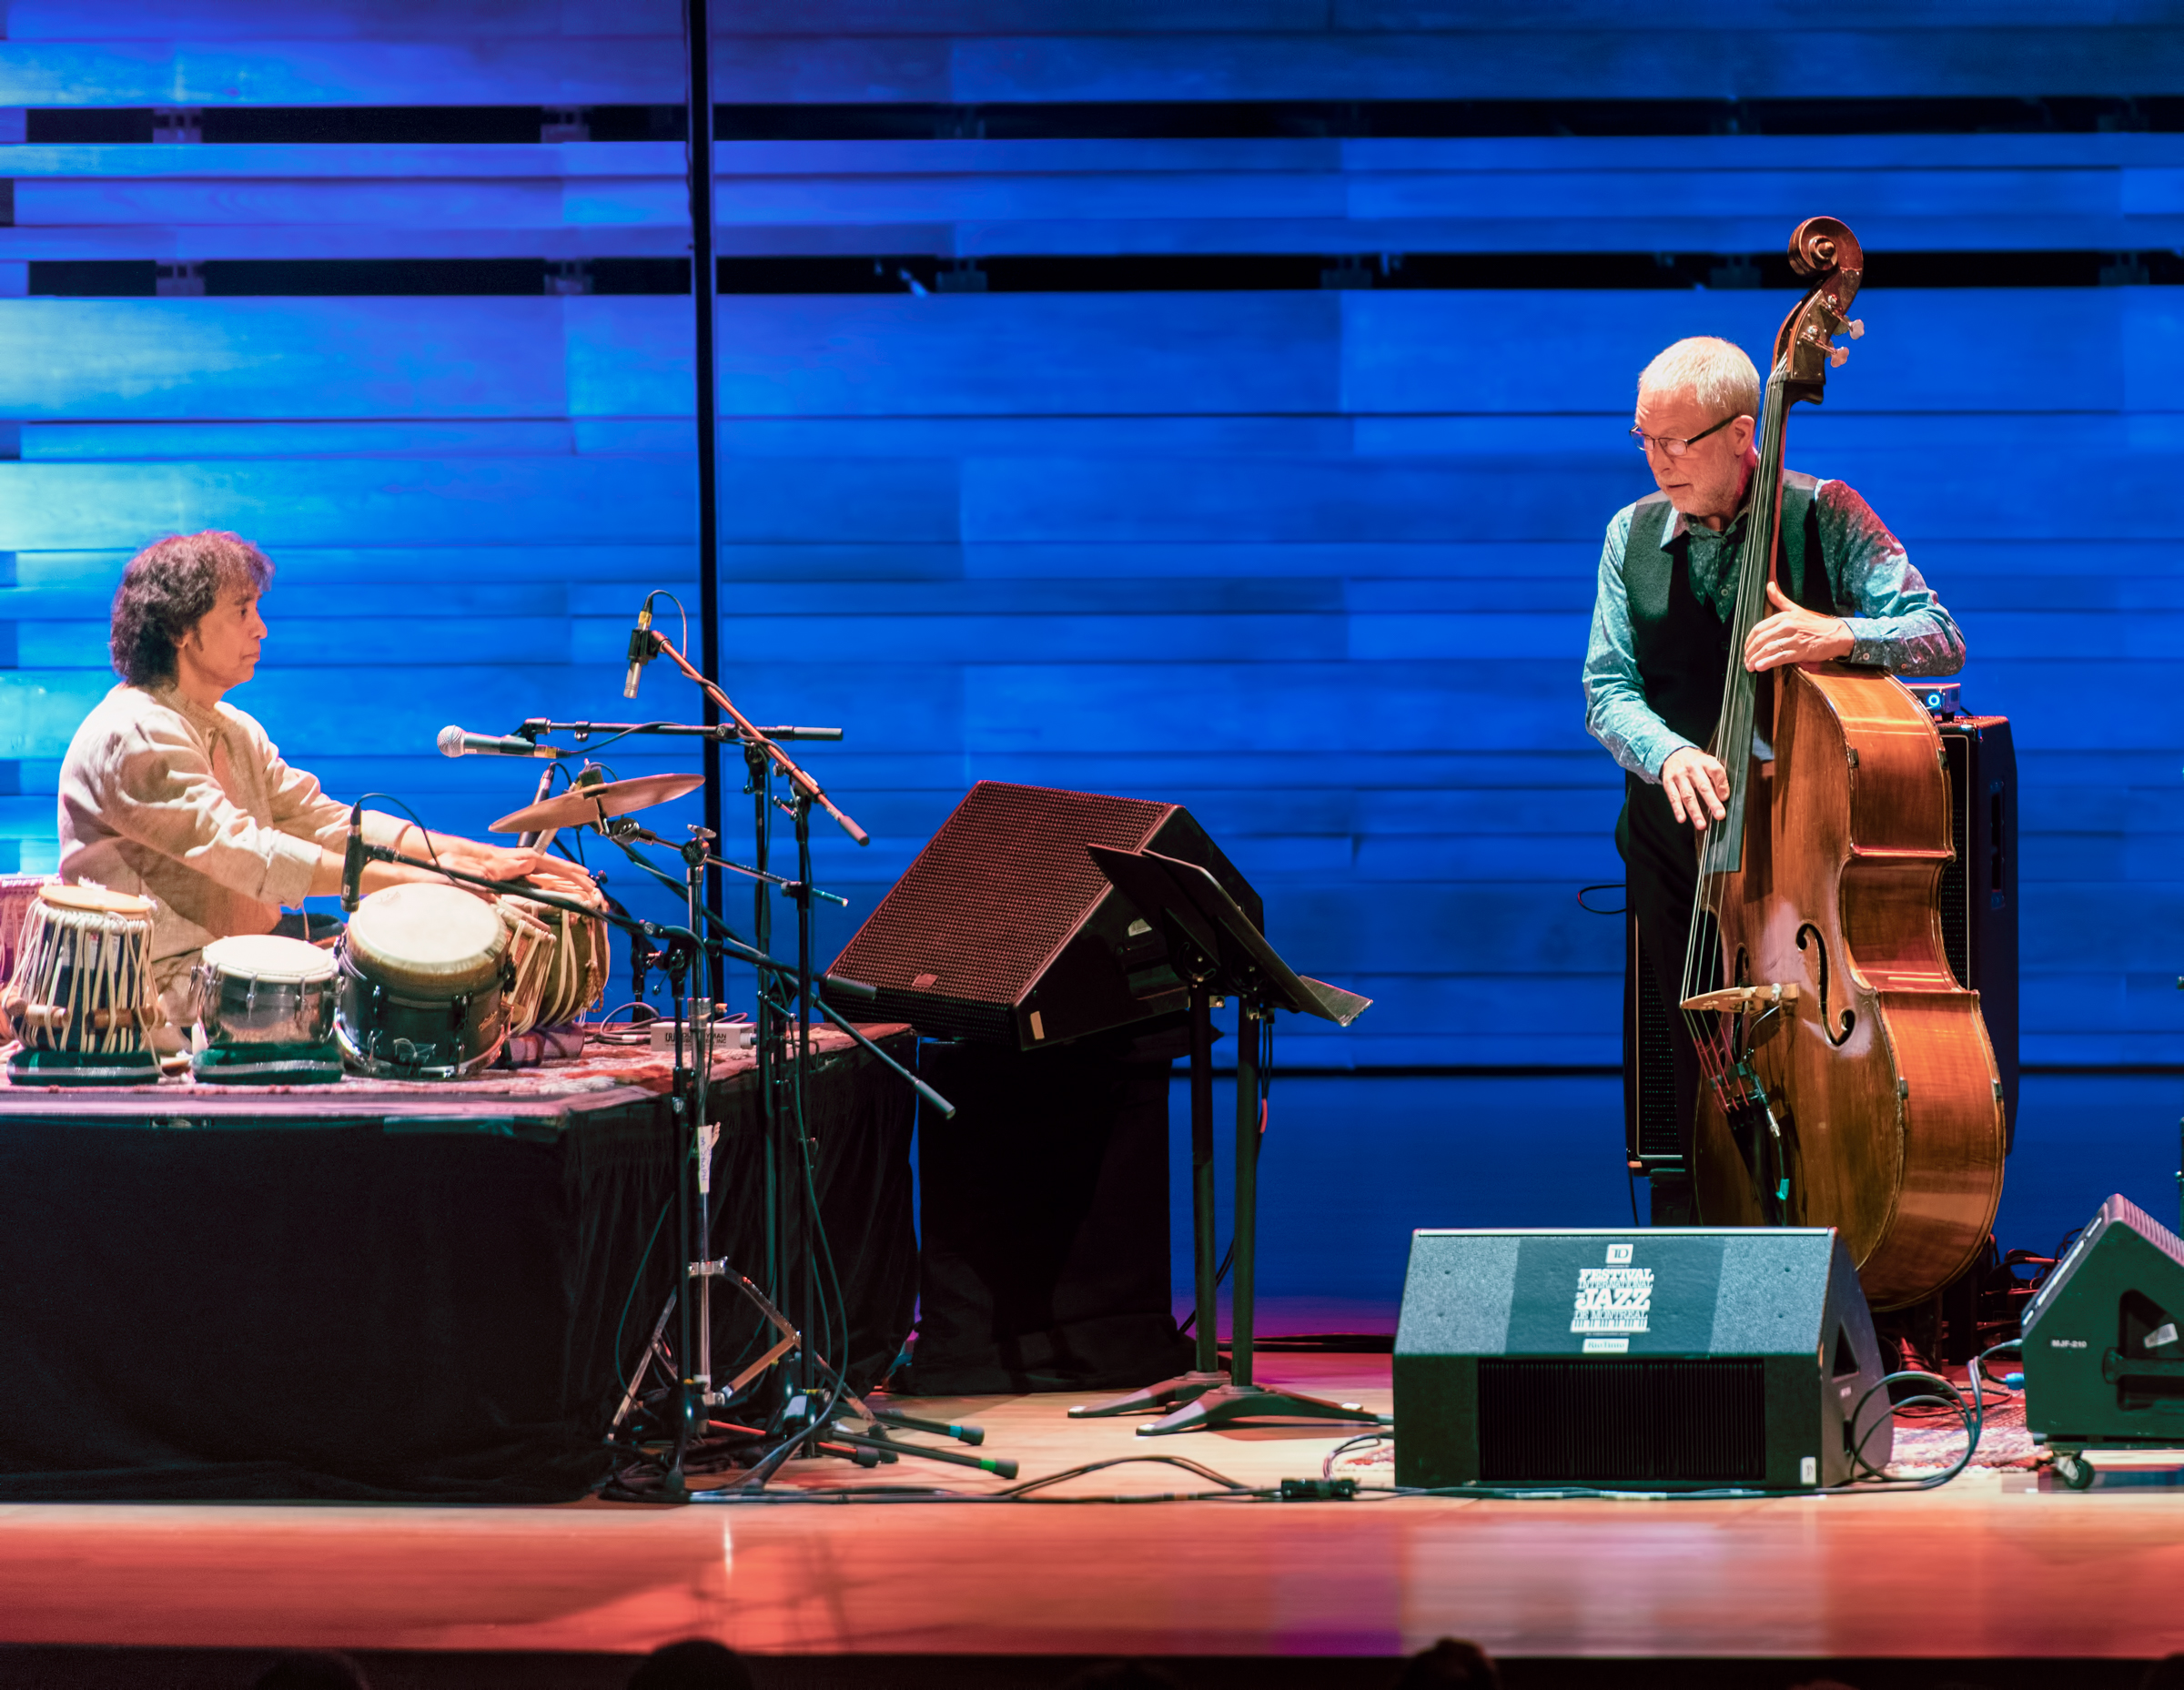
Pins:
<point x="1979" y="936"/>
<point x="1654" y="1359"/>
<point x="1980" y="886"/>
<point x="1005" y="930"/>
<point x="2104" y="1361"/>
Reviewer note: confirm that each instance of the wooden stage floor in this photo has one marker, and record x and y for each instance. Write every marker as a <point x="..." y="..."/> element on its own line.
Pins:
<point x="1991" y="1568"/>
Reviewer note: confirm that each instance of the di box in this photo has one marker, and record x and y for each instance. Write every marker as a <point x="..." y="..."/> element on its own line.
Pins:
<point x="2103" y="1363"/>
<point x="1655" y="1359"/>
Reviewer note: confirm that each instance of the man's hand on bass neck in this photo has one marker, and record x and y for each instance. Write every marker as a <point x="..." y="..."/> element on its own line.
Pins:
<point x="1794" y="635"/>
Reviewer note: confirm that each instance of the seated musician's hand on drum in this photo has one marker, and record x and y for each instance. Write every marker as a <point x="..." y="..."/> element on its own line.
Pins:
<point x="1794" y="635"/>
<point x="558" y="873"/>
<point x="1696" y="785"/>
<point x="503" y="862"/>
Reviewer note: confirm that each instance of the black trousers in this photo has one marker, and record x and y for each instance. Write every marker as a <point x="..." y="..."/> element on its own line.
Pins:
<point x="1662" y="878"/>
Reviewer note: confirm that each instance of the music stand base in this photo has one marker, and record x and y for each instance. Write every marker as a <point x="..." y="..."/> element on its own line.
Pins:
<point x="1230" y="1405"/>
<point x="1184" y="1387"/>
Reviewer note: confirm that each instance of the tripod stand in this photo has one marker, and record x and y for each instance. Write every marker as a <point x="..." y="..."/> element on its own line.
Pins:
<point x="810" y="1419"/>
<point x="1215" y="946"/>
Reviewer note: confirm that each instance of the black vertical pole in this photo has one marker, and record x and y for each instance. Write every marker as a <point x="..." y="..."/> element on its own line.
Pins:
<point x="1201" y="1175"/>
<point x="1246" y="1270"/>
<point x="800" y="1065"/>
<point x="697" y="51"/>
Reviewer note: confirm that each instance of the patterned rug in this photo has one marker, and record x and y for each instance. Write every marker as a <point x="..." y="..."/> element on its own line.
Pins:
<point x="1928" y="1441"/>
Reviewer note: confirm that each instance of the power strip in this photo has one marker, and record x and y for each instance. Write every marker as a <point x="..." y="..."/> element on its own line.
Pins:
<point x="726" y="1036"/>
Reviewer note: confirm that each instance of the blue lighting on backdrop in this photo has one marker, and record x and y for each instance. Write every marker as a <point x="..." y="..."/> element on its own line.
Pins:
<point x="1315" y="561"/>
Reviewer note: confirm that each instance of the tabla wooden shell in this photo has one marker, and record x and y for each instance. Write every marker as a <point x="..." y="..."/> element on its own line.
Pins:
<point x="83" y="980"/>
<point x="560" y="960"/>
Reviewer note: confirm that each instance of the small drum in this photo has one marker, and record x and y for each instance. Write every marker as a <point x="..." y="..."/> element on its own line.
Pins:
<point x="82" y="1000"/>
<point x="262" y="989"/>
<point x="423" y="978"/>
<point x="561" y="961"/>
<point x="265" y="1012"/>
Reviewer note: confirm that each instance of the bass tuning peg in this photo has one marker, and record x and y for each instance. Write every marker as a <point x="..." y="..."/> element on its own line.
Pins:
<point x="1854" y="328"/>
<point x="1837" y="355"/>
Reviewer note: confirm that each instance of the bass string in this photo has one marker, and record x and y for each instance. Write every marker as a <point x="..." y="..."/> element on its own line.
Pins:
<point x="1733" y="727"/>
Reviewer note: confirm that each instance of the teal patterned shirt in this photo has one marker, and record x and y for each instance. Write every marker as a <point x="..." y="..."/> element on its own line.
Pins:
<point x="1894" y="618"/>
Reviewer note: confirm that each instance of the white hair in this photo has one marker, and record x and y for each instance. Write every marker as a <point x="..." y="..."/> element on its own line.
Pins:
<point x="1715" y="371"/>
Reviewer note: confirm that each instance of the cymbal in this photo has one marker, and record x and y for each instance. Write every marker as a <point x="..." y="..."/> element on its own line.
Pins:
<point x="582" y="805"/>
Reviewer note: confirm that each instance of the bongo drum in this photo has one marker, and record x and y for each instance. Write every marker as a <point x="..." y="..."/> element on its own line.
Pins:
<point x="264" y="1013"/>
<point x="81" y="999"/>
<point x="423" y="978"/>
<point x="561" y="962"/>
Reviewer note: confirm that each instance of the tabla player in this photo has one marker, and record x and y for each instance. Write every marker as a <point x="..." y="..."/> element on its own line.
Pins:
<point x="170" y="792"/>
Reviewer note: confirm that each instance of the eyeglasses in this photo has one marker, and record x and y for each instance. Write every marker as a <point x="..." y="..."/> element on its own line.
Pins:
<point x="1672" y="448"/>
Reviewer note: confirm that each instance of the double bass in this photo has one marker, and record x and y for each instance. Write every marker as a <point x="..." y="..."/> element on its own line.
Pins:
<point x="1847" y="1080"/>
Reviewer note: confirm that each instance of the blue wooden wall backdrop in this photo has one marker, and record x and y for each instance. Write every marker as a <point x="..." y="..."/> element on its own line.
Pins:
<point x="1317" y="564"/>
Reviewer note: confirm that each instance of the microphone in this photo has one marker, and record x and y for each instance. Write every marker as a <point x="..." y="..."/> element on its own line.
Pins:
<point x="352" y="860"/>
<point x="456" y="741"/>
<point x="641" y="650"/>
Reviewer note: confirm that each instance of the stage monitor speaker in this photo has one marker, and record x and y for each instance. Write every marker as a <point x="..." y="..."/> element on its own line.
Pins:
<point x="1651" y="1358"/>
<point x="1005" y="930"/>
<point x="1980" y="886"/>
<point x="1979" y="936"/>
<point x="2104" y="1365"/>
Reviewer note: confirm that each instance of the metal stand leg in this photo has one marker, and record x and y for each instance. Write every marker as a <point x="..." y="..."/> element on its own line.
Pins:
<point x="1240" y="1400"/>
<point x="1207" y="1374"/>
<point x="1201" y="1180"/>
<point x="1204" y="1399"/>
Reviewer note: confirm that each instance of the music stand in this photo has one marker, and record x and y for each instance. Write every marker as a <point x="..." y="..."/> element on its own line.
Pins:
<point x="1215" y="945"/>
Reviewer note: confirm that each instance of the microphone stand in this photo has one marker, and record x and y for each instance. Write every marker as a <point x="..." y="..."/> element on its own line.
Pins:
<point x="688" y="1100"/>
<point x="722" y="732"/>
<point x="790" y="1178"/>
<point x="791" y="1197"/>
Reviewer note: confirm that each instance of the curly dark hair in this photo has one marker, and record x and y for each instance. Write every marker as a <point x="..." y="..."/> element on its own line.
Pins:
<point x="168" y="587"/>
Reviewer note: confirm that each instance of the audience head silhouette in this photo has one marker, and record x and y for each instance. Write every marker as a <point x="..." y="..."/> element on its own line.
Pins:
<point x="313" y="1669"/>
<point x="1452" y="1663"/>
<point x="698" y="1663"/>
<point x="1118" y="1676"/>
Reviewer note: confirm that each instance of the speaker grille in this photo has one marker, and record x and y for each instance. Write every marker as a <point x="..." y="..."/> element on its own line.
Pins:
<point x="1958" y="885"/>
<point x="1658" y="1139"/>
<point x="1581" y="1423"/>
<point x="993" y="895"/>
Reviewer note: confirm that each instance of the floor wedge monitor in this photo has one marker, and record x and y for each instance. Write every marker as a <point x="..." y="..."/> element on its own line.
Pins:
<point x="1656" y="1359"/>
<point x="2104" y="1362"/>
<point x="1006" y="931"/>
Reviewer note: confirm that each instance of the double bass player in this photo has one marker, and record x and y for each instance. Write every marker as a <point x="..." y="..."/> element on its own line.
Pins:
<point x="1659" y="651"/>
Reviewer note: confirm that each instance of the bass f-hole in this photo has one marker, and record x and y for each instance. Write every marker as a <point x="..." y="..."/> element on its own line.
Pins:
<point x="1827" y="1026"/>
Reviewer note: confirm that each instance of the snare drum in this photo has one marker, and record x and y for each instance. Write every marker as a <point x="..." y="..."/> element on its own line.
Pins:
<point x="423" y="974"/>
<point x="561" y="962"/>
<point x="82" y="1001"/>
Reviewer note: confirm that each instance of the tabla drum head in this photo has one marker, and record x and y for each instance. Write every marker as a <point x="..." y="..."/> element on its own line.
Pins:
<point x="426" y="938"/>
<point x="97" y="901"/>
<point x="268" y="956"/>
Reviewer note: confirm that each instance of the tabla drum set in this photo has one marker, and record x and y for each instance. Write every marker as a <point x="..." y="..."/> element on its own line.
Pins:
<point x="82" y="1002"/>
<point x="429" y="981"/>
<point x="433" y="980"/>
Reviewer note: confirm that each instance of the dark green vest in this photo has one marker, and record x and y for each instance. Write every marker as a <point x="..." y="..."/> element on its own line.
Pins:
<point x="1682" y="647"/>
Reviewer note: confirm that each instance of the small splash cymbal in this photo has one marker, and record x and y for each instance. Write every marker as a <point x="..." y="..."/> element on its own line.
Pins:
<point x="582" y="806"/>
